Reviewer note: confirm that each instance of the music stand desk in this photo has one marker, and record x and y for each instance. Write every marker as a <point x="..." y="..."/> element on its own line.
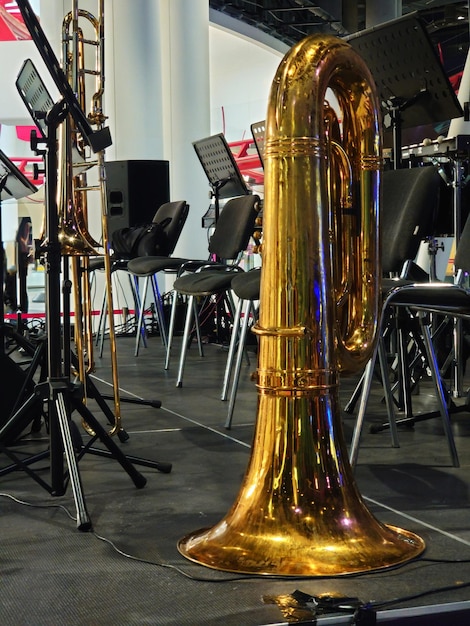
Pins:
<point x="220" y="168"/>
<point x="412" y="85"/>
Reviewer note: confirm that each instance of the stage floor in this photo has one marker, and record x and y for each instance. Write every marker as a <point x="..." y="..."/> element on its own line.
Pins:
<point x="128" y="570"/>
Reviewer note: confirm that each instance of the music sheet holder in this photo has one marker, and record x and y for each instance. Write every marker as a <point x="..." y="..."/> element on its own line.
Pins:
<point x="258" y="131"/>
<point x="413" y="87"/>
<point x="13" y="185"/>
<point x="220" y="168"/>
<point x="34" y="94"/>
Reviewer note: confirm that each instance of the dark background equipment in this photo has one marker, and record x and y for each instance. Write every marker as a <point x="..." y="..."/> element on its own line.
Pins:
<point x="135" y="189"/>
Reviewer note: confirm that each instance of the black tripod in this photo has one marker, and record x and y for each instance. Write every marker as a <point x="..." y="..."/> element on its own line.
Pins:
<point x="62" y="396"/>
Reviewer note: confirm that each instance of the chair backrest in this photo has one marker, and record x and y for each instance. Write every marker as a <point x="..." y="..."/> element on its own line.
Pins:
<point x="410" y="202"/>
<point x="172" y="216"/>
<point x="234" y="227"/>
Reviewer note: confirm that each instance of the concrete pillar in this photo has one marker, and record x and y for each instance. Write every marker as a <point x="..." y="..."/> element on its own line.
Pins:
<point x="158" y="95"/>
<point x="186" y="114"/>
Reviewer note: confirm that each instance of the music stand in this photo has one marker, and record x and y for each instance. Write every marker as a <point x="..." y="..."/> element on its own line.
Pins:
<point x="413" y="88"/>
<point x="258" y="131"/>
<point x="62" y="395"/>
<point x="220" y="168"/>
<point x="34" y="94"/>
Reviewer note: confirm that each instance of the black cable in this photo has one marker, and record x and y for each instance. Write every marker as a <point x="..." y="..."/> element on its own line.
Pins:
<point x="421" y="594"/>
<point x="366" y="606"/>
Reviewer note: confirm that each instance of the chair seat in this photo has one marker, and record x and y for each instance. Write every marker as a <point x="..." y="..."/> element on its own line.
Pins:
<point x="246" y="285"/>
<point x="204" y="283"/>
<point x="388" y="284"/>
<point x="148" y="265"/>
<point x="443" y="298"/>
<point x="97" y="263"/>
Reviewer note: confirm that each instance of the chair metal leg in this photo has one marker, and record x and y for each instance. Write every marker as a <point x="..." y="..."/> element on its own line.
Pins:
<point x="191" y="302"/>
<point x="235" y="337"/>
<point x="366" y="383"/>
<point x="367" y="377"/>
<point x="404" y="387"/>
<point x="186" y="335"/>
<point x="249" y="307"/>
<point x="392" y="420"/>
<point x="102" y="322"/>
<point x="140" y="330"/>
<point x="443" y="409"/>
<point x="171" y="329"/>
<point x="351" y="405"/>
<point x="198" y="328"/>
<point x="159" y="311"/>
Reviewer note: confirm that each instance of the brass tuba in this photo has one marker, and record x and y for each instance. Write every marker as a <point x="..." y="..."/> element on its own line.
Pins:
<point x="298" y="511"/>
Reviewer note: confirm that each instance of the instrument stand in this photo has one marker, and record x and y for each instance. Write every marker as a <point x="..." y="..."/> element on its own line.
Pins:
<point x="61" y="395"/>
<point x="225" y="181"/>
<point x="57" y="412"/>
<point x="221" y="169"/>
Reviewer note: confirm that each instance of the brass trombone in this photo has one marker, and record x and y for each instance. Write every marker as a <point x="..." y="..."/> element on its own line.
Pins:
<point x="74" y="235"/>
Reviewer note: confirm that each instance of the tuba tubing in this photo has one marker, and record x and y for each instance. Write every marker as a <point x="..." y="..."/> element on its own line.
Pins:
<point x="299" y="511"/>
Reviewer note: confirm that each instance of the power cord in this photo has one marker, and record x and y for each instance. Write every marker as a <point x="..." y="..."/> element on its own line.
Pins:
<point x="363" y="613"/>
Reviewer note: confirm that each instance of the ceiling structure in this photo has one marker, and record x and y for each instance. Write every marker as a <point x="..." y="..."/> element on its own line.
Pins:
<point x="290" y="20"/>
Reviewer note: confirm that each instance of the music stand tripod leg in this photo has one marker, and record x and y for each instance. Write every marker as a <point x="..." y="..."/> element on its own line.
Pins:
<point x="60" y="416"/>
<point x="113" y="449"/>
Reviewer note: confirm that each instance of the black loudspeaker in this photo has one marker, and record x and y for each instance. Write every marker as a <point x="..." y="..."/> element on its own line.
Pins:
<point x="135" y="190"/>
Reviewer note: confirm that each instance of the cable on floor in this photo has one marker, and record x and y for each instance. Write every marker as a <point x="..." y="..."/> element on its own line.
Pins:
<point x="361" y="611"/>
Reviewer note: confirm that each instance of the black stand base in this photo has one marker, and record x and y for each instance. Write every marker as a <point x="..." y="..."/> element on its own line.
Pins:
<point x="62" y="398"/>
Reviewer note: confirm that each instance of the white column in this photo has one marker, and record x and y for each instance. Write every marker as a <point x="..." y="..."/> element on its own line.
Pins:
<point x="133" y="94"/>
<point x="186" y="95"/>
<point x="157" y="95"/>
<point x="156" y="91"/>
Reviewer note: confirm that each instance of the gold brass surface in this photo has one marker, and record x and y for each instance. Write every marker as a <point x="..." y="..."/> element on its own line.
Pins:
<point x="76" y="241"/>
<point x="299" y="511"/>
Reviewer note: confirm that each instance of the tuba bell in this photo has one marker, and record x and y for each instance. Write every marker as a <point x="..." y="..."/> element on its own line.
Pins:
<point x="299" y="511"/>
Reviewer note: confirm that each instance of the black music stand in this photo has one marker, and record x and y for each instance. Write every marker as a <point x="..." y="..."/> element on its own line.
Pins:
<point x="220" y="168"/>
<point x="34" y="94"/>
<point x="258" y="131"/>
<point x="413" y="88"/>
<point x="62" y="395"/>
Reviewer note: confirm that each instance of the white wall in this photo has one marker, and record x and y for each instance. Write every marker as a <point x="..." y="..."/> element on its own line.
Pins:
<point x="241" y="71"/>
